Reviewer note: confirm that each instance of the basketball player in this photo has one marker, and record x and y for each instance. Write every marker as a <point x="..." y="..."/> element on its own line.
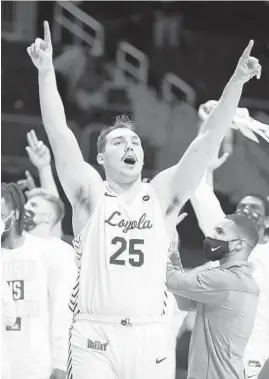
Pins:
<point x="256" y="208"/>
<point x="120" y="228"/>
<point x="41" y="283"/>
<point x="8" y="318"/>
<point x="226" y="298"/>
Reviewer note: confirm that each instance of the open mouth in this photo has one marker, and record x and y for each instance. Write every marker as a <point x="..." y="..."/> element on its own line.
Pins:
<point x="129" y="160"/>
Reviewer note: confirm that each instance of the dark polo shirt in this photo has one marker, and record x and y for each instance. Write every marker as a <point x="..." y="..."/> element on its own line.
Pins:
<point x="226" y="299"/>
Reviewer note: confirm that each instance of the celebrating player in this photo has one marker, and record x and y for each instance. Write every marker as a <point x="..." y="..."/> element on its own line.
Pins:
<point x="121" y="238"/>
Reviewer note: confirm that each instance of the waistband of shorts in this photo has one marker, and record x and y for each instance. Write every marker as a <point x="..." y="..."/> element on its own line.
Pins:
<point x="125" y="321"/>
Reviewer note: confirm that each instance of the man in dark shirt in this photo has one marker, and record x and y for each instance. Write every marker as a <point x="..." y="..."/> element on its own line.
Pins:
<point x="225" y="297"/>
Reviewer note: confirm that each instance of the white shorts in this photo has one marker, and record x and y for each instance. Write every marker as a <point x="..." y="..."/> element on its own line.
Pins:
<point x="109" y="348"/>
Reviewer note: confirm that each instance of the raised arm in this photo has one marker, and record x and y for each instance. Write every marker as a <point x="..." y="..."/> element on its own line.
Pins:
<point x="79" y="180"/>
<point x="204" y="199"/>
<point x="39" y="155"/>
<point x="175" y="186"/>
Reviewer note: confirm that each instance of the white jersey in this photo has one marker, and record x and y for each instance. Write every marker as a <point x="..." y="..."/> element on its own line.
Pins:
<point x="123" y="252"/>
<point x="41" y="275"/>
<point x="258" y="345"/>
<point x="8" y="315"/>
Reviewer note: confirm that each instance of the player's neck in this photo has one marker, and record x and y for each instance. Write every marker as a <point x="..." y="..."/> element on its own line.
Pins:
<point x="41" y="231"/>
<point x="13" y="241"/>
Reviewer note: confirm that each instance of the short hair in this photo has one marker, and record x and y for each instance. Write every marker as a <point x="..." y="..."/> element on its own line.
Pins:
<point x="15" y="200"/>
<point x="246" y="228"/>
<point x="260" y="197"/>
<point x="54" y="200"/>
<point x="121" y="122"/>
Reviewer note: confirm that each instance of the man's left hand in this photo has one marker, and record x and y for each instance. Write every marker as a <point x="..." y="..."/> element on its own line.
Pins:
<point x="58" y="374"/>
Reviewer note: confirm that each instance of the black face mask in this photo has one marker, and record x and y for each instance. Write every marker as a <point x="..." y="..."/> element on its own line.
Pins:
<point x="253" y="216"/>
<point x="29" y="223"/>
<point x="215" y="249"/>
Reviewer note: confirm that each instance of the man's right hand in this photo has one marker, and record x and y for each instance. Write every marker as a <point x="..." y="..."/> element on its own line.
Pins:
<point x="38" y="152"/>
<point x="41" y="51"/>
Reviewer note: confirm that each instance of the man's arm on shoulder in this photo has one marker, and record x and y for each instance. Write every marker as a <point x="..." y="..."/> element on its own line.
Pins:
<point x="200" y="284"/>
<point x="176" y="184"/>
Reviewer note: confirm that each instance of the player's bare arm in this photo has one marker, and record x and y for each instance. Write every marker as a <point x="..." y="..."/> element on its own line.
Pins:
<point x="175" y="185"/>
<point x="80" y="181"/>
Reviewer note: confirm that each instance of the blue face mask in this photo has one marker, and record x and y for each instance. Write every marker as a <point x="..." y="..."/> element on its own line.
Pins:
<point x="215" y="249"/>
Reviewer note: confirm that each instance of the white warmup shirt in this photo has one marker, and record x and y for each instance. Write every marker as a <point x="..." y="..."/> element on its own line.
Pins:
<point x="257" y="348"/>
<point x="41" y="274"/>
<point x="8" y="314"/>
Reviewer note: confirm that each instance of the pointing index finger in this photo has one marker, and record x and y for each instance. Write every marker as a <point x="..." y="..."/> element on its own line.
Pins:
<point x="47" y="37"/>
<point x="248" y="49"/>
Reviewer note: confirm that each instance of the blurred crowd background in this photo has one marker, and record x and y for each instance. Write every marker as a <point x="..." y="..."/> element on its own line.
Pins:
<point x="155" y="61"/>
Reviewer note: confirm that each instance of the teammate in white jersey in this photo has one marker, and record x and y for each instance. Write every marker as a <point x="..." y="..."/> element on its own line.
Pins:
<point x="8" y="318"/>
<point x="256" y="208"/>
<point x="120" y="229"/>
<point x="41" y="280"/>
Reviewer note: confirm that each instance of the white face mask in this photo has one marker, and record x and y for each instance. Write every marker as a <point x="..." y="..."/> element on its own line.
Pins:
<point x="3" y="223"/>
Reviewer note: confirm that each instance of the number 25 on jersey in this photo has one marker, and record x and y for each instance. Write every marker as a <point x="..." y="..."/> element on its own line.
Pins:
<point x="135" y="254"/>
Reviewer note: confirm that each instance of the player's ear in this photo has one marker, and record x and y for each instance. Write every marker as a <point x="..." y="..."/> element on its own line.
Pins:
<point x="267" y="222"/>
<point x="100" y="159"/>
<point x="240" y="244"/>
